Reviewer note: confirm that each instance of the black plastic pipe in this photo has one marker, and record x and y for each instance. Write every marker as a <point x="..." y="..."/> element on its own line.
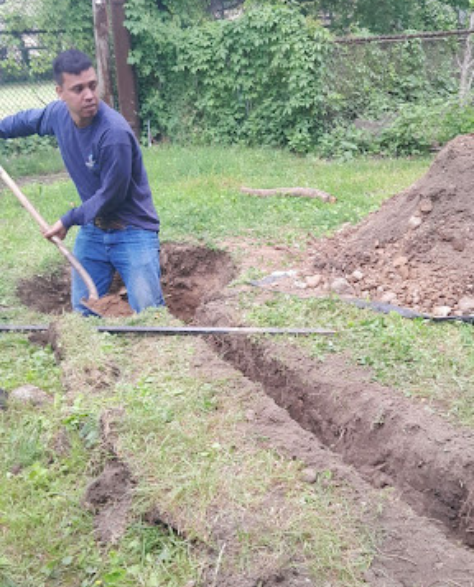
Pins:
<point x="179" y="330"/>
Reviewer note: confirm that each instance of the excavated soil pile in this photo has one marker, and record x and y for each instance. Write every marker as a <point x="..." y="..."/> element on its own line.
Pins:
<point x="416" y="251"/>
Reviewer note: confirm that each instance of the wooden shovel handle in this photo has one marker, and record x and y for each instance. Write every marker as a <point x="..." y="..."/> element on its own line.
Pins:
<point x="93" y="295"/>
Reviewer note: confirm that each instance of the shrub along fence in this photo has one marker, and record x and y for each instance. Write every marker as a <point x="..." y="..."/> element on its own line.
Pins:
<point x="396" y="95"/>
<point x="272" y="77"/>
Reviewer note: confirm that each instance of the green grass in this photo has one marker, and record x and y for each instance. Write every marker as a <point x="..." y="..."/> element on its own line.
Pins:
<point x="44" y="162"/>
<point x="197" y="192"/>
<point x="180" y="433"/>
<point x="180" y="429"/>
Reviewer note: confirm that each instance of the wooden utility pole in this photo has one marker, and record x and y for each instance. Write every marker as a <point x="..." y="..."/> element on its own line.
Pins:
<point x="126" y="82"/>
<point x="101" y="35"/>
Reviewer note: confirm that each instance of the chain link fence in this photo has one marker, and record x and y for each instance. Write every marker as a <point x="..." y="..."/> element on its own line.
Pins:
<point x="400" y="94"/>
<point x="373" y="76"/>
<point x="32" y="32"/>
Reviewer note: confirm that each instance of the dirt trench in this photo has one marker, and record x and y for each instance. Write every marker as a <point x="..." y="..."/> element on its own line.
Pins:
<point x="390" y="441"/>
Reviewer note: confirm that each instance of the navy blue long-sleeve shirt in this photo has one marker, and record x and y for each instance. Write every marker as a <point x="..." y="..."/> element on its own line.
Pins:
<point x="103" y="159"/>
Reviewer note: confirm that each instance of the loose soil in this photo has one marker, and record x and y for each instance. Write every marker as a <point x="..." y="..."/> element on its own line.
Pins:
<point x="190" y="276"/>
<point x="109" y="498"/>
<point x="416" y="251"/>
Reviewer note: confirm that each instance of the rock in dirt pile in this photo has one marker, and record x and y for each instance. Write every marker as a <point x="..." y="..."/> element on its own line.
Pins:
<point x="417" y="250"/>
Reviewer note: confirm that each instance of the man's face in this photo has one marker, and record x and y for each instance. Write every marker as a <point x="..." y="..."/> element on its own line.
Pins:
<point x="81" y="96"/>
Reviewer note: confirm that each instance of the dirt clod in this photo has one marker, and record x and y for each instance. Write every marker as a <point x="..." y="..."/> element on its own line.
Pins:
<point x="30" y="394"/>
<point x="109" y="498"/>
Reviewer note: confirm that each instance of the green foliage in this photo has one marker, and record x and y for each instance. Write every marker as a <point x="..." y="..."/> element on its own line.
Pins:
<point x="272" y="77"/>
<point x="74" y="19"/>
<point x="391" y="99"/>
<point x="185" y="12"/>
<point x="67" y="23"/>
<point x="414" y="129"/>
<point x="26" y="145"/>
<point x="255" y="80"/>
<point x="306" y="7"/>
<point x="388" y="16"/>
<point x="378" y="16"/>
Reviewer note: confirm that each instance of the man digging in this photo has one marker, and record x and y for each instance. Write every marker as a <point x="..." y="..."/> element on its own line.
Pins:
<point x="118" y="222"/>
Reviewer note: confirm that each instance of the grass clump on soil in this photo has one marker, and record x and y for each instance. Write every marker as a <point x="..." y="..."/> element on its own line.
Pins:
<point x="22" y="363"/>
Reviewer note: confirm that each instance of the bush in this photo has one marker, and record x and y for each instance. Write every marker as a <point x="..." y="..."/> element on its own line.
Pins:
<point x="26" y="145"/>
<point x="254" y="81"/>
<point x="413" y="129"/>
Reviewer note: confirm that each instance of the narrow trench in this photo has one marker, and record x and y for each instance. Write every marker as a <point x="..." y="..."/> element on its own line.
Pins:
<point x="390" y="440"/>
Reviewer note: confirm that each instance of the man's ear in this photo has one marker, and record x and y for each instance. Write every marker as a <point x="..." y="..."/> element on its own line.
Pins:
<point x="59" y="91"/>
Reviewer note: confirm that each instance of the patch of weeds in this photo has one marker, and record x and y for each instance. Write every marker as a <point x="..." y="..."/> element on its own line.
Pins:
<point x="86" y="425"/>
<point x="148" y="556"/>
<point x="24" y="444"/>
<point x="24" y="363"/>
<point x="46" y="529"/>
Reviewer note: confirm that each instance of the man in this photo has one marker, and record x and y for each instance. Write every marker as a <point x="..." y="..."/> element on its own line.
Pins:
<point x="119" y="223"/>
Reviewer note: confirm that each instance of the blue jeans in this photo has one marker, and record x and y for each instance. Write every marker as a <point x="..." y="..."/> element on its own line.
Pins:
<point x="133" y="252"/>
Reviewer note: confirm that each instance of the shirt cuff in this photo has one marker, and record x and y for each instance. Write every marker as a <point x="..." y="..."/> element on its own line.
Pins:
<point x="68" y="219"/>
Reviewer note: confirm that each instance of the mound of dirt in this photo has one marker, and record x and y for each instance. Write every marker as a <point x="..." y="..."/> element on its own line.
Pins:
<point x="416" y="251"/>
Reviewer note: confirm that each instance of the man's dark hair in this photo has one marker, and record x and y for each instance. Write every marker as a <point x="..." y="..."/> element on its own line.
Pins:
<point x="71" y="61"/>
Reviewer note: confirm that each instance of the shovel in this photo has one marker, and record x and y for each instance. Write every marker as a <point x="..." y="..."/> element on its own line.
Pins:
<point x="93" y="295"/>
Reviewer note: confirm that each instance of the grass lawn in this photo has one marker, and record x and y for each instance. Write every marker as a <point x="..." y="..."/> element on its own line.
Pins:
<point x="179" y="429"/>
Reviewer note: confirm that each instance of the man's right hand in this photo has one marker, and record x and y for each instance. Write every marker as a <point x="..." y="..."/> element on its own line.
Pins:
<point x="57" y="229"/>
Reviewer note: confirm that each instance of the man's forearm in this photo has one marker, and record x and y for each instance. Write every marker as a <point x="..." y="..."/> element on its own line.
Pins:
<point x="22" y="124"/>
